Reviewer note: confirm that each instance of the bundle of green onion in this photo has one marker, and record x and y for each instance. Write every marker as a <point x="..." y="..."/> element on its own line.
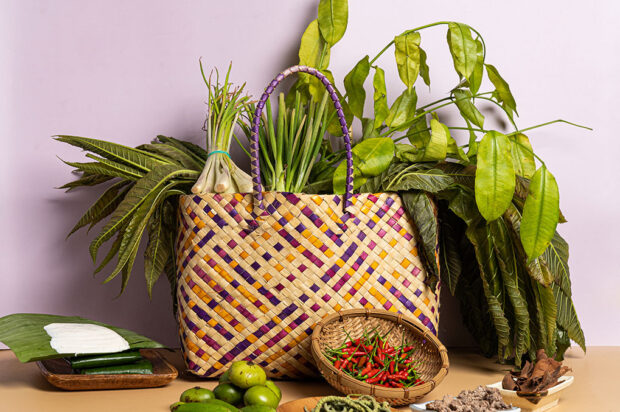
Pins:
<point x="225" y="105"/>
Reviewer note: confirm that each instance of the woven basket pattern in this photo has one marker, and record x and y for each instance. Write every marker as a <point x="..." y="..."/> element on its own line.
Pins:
<point x="254" y="288"/>
<point x="431" y="356"/>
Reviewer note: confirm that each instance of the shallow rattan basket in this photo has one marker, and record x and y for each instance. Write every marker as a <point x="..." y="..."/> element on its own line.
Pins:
<point x="432" y="355"/>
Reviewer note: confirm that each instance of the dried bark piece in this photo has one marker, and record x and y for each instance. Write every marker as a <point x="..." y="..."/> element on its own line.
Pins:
<point x="535" y="378"/>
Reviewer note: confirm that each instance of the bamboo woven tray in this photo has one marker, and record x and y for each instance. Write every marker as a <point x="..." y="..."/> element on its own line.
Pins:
<point x="59" y="373"/>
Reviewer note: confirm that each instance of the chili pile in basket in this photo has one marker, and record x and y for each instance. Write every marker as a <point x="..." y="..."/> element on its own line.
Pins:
<point x="371" y="359"/>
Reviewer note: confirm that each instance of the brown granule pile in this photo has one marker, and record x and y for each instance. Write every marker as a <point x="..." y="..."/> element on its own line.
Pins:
<point x="481" y="399"/>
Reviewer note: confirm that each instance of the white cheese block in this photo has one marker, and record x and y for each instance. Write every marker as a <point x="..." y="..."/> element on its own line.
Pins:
<point x="84" y="338"/>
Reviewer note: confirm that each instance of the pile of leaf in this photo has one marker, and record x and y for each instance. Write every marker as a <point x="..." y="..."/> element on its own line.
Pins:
<point x="537" y="377"/>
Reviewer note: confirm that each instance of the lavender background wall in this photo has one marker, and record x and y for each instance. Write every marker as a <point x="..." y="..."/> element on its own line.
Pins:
<point x="127" y="71"/>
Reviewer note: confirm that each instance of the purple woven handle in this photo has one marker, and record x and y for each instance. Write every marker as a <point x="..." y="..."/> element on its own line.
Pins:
<point x="258" y="188"/>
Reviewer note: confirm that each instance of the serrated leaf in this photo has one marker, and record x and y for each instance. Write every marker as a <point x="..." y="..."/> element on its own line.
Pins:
<point x="402" y="110"/>
<point x="428" y="180"/>
<point x="502" y="90"/>
<point x="567" y="316"/>
<point x="463" y="100"/>
<point x="106" y="203"/>
<point x="495" y="176"/>
<point x="423" y="211"/>
<point x="86" y="180"/>
<point x="113" y="151"/>
<point x="157" y="250"/>
<point x="198" y="153"/>
<point x="463" y="48"/>
<point x="424" y="70"/>
<point x="549" y="313"/>
<point x="380" y="97"/>
<point x="522" y="155"/>
<point x="407" y="54"/>
<point x="556" y="259"/>
<point x="449" y="256"/>
<point x="135" y="197"/>
<point x="111" y="252"/>
<point x="121" y="168"/>
<point x="354" y="86"/>
<point x="333" y="17"/>
<point x="175" y="154"/>
<point x="540" y="213"/>
<point x="100" y="169"/>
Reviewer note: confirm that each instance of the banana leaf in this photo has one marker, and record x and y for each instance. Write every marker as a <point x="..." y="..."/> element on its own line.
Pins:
<point x="23" y="333"/>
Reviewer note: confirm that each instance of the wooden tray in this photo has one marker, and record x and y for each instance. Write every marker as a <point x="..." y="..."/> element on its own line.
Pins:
<point x="59" y="373"/>
<point x="299" y="404"/>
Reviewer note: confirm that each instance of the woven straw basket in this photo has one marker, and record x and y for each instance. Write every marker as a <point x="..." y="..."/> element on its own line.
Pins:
<point x="257" y="271"/>
<point x="431" y="355"/>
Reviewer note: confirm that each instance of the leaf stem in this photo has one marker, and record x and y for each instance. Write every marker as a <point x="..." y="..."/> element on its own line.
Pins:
<point x="548" y="123"/>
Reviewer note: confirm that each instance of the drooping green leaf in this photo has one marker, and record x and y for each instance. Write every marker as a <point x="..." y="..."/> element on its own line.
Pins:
<point x="333" y="17"/>
<point x="354" y="85"/>
<point x="549" y="314"/>
<point x="116" y="245"/>
<point x="402" y="110"/>
<point x="463" y="100"/>
<point x="522" y="155"/>
<point x="340" y="178"/>
<point x="463" y="49"/>
<point x="509" y="268"/>
<point x="121" y="168"/>
<point x="374" y="155"/>
<point x="86" y="179"/>
<point x="423" y="211"/>
<point x="540" y="213"/>
<point x="453" y="149"/>
<point x="556" y="259"/>
<point x="106" y="203"/>
<point x="116" y="152"/>
<point x="198" y="153"/>
<point x="419" y="133"/>
<point x="312" y="46"/>
<point x="134" y="198"/>
<point x="174" y="153"/>
<point x="157" y="250"/>
<point x="23" y="333"/>
<point x="428" y="180"/>
<point x="407" y="53"/>
<point x="475" y="80"/>
<point x="567" y="316"/>
<point x="495" y="176"/>
<point x="424" y="70"/>
<point x="436" y="147"/>
<point x="502" y="90"/>
<point x="380" y="97"/>
<point x="450" y="260"/>
<point x="100" y="169"/>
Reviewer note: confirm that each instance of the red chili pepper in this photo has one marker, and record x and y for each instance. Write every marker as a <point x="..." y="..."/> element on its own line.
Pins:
<point x="338" y="364"/>
<point x="397" y="384"/>
<point x="391" y="367"/>
<point x="408" y="348"/>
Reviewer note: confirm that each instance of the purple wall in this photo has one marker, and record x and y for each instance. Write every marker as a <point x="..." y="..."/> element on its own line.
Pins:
<point x="127" y="71"/>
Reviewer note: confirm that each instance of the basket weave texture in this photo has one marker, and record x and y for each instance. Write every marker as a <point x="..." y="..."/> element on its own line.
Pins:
<point x="257" y="271"/>
<point x="431" y="356"/>
<point x="257" y="291"/>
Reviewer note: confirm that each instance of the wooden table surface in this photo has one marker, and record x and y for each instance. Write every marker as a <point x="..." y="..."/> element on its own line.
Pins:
<point x="22" y="388"/>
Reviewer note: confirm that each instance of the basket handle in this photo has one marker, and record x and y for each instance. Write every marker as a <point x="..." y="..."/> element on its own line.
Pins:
<point x="254" y="145"/>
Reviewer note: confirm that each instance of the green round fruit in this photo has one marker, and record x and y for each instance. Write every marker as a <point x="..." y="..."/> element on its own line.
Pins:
<point x="197" y="394"/>
<point x="175" y="406"/>
<point x="225" y="377"/>
<point x="261" y="395"/>
<point x="274" y="388"/>
<point x="258" y="408"/>
<point x="246" y="374"/>
<point x="228" y="392"/>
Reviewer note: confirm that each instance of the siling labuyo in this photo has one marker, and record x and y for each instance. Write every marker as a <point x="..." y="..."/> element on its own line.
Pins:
<point x="246" y="374"/>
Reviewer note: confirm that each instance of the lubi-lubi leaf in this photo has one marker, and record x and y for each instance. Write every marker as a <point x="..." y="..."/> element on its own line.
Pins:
<point x="540" y="213"/>
<point x="556" y="259"/>
<point x="116" y="245"/>
<point x="116" y="152"/>
<point x="106" y="203"/>
<point x="196" y="152"/>
<point x="450" y="261"/>
<point x="120" y="167"/>
<point x="424" y="213"/>
<point x="407" y="53"/>
<point x="380" y="97"/>
<point x="354" y="86"/>
<point x="549" y="313"/>
<point x="495" y="176"/>
<point x="173" y="153"/>
<point x="428" y="180"/>
<point x="134" y="198"/>
<point x="23" y="333"/>
<point x="86" y="179"/>
<point x="463" y="100"/>
<point x="463" y="49"/>
<point x="502" y="90"/>
<point x="157" y="250"/>
<point x="100" y="169"/>
<point x="402" y="110"/>
<point x="333" y="17"/>
<point x="567" y="316"/>
<point x="522" y="155"/>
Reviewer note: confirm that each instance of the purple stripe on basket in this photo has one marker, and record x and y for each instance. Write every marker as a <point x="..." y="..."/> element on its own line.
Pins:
<point x="315" y="307"/>
<point x="205" y="239"/>
<point x="387" y="305"/>
<point x="300" y="227"/>
<point x="415" y="271"/>
<point x="278" y="246"/>
<point x="279" y="287"/>
<point x="406" y="283"/>
<point x="304" y="297"/>
<point x="363" y="301"/>
<point x="255" y="266"/>
<point x="314" y="288"/>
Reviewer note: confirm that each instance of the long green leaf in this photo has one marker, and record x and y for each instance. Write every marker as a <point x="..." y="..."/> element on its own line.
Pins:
<point x="475" y="80"/>
<point x="567" y="316"/>
<point x="174" y="153"/>
<point x="450" y="260"/>
<point x="113" y="151"/>
<point x="463" y="100"/>
<point x="549" y="310"/>
<point x="23" y="333"/>
<point x="374" y="155"/>
<point x="333" y="17"/>
<point x="86" y="180"/>
<point x="128" y="170"/>
<point x="134" y="198"/>
<point x="556" y="259"/>
<point x="423" y="211"/>
<point x="522" y="155"/>
<point x="424" y="70"/>
<point x="311" y="47"/>
<point x="502" y="90"/>
<point x="157" y="250"/>
<point x="540" y="213"/>
<point x="428" y="180"/>
<point x="198" y="153"/>
<point x="433" y="146"/>
<point x="380" y="97"/>
<point x="402" y="110"/>
<point x="407" y="54"/>
<point x="100" y="169"/>
<point x="354" y="85"/>
<point x="495" y="176"/>
<point x="463" y="49"/>
<point x="116" y="245"/>
<point x="106" y="203"/>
